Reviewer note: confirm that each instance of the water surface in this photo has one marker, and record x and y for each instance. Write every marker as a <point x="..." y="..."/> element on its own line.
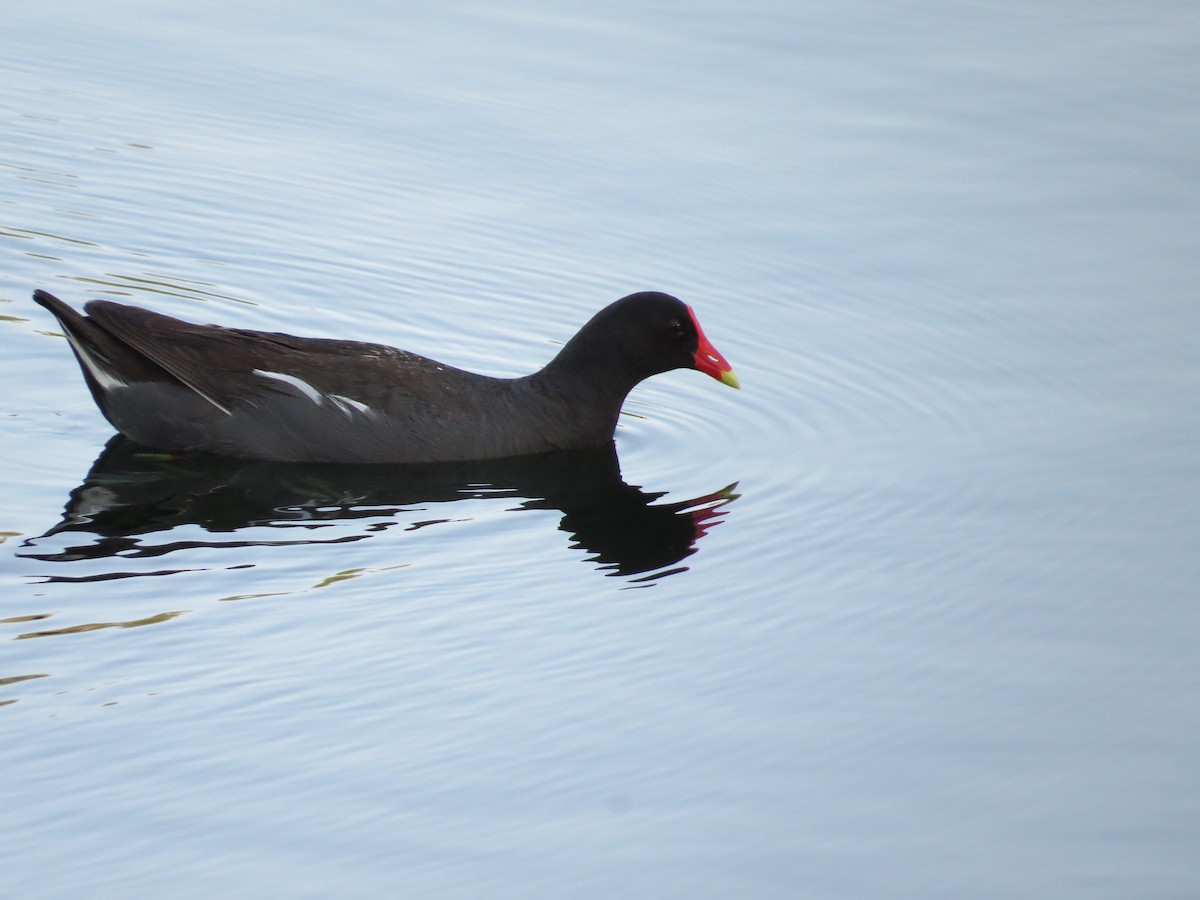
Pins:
<point x="911" y="615"/>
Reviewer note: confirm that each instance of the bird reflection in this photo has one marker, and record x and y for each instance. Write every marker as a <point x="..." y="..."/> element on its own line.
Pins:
<point x="131" y="494"/>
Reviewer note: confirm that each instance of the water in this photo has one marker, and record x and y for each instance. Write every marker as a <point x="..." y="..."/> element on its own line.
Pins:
<point x="911" y="615"/>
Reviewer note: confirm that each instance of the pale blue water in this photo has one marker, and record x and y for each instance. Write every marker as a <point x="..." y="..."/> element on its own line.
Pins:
<point x="936" y="636"/>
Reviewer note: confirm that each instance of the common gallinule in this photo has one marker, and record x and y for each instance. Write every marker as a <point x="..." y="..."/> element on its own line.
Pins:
<point x="174" y="385"/>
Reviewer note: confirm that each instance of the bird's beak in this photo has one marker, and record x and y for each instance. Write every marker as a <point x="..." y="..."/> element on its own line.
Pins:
<point x="709" y="360"/>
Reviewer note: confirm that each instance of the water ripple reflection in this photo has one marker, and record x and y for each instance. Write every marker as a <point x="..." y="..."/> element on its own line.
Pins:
<point x="139" y="505"/>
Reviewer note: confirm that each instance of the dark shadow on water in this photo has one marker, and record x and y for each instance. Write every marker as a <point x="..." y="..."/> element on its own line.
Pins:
<point x="131" y="495"/>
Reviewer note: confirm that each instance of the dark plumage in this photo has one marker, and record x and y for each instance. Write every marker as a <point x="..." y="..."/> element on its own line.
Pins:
<point x="173" y="385"/>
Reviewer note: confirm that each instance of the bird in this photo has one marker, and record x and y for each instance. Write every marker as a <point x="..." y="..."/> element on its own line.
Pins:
<point x="180" y="387"/>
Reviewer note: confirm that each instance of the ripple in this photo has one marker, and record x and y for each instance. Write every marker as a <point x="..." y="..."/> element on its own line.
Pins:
<point x="128" y="285"/>
<point x="98" y="626"/>
<point x="216" y="519"/>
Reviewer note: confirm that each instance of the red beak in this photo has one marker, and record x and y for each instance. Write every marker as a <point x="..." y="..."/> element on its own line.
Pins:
<point x="709" y="361"/>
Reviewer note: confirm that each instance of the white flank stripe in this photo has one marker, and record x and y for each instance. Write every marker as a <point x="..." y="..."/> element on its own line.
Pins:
<point x="349" y="404"/>
<point x="298" y="383"/>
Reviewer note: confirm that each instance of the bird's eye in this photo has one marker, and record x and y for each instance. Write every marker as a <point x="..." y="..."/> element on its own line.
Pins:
<point x="676" y="327"/>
